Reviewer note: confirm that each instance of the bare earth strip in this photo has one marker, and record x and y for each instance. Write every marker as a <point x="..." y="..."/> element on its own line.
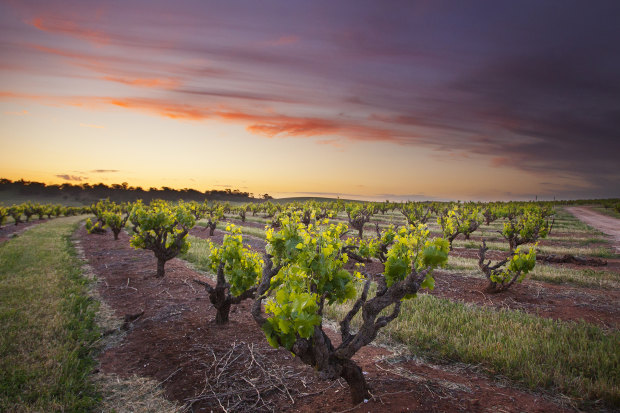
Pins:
<point x="604" y="223"/>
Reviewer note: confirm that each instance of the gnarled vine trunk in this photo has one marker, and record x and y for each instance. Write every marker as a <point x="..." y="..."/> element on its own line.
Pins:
<point x="318" y="350"/>
<point x="491" y="270"/>
<point x="354" y="377"/>
<point x="221" y="298"/>
<point x="160" y="267"/>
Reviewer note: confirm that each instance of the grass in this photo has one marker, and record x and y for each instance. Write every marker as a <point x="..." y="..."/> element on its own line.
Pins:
<point x="566" y="220"/>
<point x="255" y="232"/>
<point x="577" y="359"/>
<point x="257" y="219"/>
<point x="198" y="253"/>
<point x="607" y="211"/>
<point x="47" y="323"/>
<point x="549" y="273"/>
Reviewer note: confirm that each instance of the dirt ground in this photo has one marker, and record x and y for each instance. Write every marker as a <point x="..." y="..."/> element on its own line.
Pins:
<point x="170" y="337"/>
<point x="10" y="230"/>
<point x="605" y="224"/>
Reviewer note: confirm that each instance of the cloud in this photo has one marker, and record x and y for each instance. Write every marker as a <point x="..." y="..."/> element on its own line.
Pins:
<point x="277" y="125"/>
<point x="284" y="40"/>
<point x="160" y="107"/>
<point x="547" y="114"/>
<point x="552" y="116"/>
<point x="293" y="127"/>
<point x="548" y="107"/>
<point x="103" y="171"/>
<point x="330" y="142"/>
<point x="55" y="23"/>
<point x="20" y="113"/>
<point x="144" y="82"/>
<point x="232" y="94"/>
<point x="118" y="69"/>
<point x="164" y="108"/>
<point x="75" y="178"/>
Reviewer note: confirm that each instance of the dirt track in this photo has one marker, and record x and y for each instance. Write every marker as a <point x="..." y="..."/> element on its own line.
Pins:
<point x="605" y="224"/>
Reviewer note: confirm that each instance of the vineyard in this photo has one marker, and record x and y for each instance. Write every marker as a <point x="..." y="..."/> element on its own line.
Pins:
<point x="308" y="306"/>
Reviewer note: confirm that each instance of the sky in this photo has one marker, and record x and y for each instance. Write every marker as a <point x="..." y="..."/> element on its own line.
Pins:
<point x="398" y="100"/>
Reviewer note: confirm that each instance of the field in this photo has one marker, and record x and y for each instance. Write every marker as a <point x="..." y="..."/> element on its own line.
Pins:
<point x="87" y="326"/>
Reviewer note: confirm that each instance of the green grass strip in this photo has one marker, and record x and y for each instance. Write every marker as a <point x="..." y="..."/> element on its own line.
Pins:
<point x="47" y="322"/>
<point x="610" y="212"/>
<point x="582" y="277"/>
<point x="577" y="359"/>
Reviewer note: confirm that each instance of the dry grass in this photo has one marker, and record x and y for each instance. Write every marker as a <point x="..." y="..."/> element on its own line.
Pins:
<point x="134" y="394"/>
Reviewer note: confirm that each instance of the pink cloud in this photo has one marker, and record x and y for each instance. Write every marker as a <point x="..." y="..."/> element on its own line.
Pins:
<point x="59" y="25"/>
<point x="68" y="177"/>
<point x="285" y="40"/>
<point x="108" y="67"/>
<point x="21" y="113"/>
<point x="265" y="124"/>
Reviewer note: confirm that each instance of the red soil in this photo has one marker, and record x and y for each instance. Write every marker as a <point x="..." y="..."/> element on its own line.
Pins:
<point x="176" y="343"/>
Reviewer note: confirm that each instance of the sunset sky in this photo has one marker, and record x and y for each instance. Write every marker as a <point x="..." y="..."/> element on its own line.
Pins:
<point x="483" y="100"/>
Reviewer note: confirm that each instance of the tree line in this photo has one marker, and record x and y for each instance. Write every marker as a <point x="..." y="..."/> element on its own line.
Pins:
<point x="122" y="192"/>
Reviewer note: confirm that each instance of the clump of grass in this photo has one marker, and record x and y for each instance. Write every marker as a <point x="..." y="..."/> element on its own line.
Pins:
<point x="255" y="232"/>
<point x="198" y="253"/>
<point x="586" y="277"/>
<point x="600" y="252"/>
<point x="556" y="274"/>
<point x="246" y="230"/>
<point x="47" y="321"/>
<point x="471" y="244"/>
<point x="578" y="247"/>
<point x="250" y="218"/>
<point x="456" y="263"/>
<point x="139" y="393"/>
<point x="577" y="359"/>
<point x="607" y="211"/>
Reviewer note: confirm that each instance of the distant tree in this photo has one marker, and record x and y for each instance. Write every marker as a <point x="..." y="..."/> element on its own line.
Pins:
<point x="16" y="212"/>
<point x="4" y="212"/>
<point x="161" y="228"/>
<point x="503" y="274"/>
<point x="213" y="215"/>
<point x="527" y="227"/>
<point x="29" y="210"/>
<point x="238" y="270"/>
<point x="115" y="220"/>
<point x="415" y="212"/>
<point x="359" y="215"/>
